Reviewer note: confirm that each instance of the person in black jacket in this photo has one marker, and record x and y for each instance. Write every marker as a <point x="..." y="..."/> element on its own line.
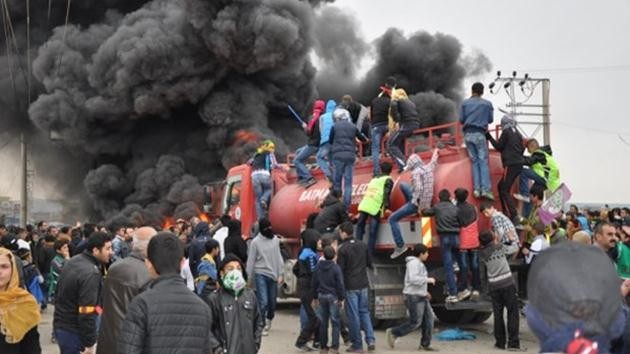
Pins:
<point x="405" y="115"/>
<point x="236" y="322"/>
<point x="234" y="242"/>
<point x="447" y="224"/>
<point x="303" y="270"/>
<point x="354" y="259"/>
<point x="511" y="146"/>
<point x="330" y="291"/>
<point x="166" y="317"/>
<point x="379" y="119"/>
<point x="333" y="213"/>
<point x="78" y="298"/>
<point x="197" y="248"/>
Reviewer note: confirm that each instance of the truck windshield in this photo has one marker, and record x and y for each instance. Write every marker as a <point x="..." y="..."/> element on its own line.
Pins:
<point x="232" y="197"/>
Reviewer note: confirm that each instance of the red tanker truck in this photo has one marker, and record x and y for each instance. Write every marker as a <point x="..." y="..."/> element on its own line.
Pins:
<point x="291" y="204"/>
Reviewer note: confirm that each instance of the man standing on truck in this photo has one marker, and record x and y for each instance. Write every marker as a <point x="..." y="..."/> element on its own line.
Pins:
<point x="302" y="154"/>
<point x="379" y="119"/>
<point x="354" y="259"/>
<point x="344" y="152"/>
<point x="374" y="203"/>
<point x="405" y="115"/>
<point x="418" y="196"/>
<point x="326" y="123"/>
<point x="475" y="115"/>
<point x="448" y="227"/>
<point x="263" y="161"/>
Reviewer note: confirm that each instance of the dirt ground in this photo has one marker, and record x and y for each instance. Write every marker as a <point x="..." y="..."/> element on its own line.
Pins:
<point x="285" y="331"/>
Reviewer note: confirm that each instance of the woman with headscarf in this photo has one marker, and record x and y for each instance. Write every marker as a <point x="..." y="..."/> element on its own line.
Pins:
<point x="262" y="163"/>
<point x="19" y="312"/>
<point x="511" y="146"/>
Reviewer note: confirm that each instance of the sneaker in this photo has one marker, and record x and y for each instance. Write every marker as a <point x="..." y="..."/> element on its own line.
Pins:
<point x="463" y="295"/>
<point x="268" y="325"/>
<point x="521" y="197"/>
<point x="398" y="251"/>
<point x="476" y="194"/>
<point x="475" y="296"/>
<point x="428" y="349"/>
<point x="455" y="267"/>
<point x="304" y="348"/>
<point x="371" y="348"/>
<point x="265" y="332"/>
<point x="488" y="195"/>
<point x="354" y="350"/>
<point x="391" y="338"/>
<point x="517" y="349"/>
<point x="452" y="299"/>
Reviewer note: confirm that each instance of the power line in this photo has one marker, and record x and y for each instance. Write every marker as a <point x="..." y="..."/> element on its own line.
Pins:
<point x="583" y="69"/>
<point x="592" y="129"/>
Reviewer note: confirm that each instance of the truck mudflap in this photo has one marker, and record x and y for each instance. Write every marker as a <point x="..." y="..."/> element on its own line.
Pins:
<point x="386" y="285"/>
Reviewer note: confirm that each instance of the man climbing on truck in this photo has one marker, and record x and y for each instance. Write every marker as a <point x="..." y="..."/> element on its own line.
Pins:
<point x="312" y="146"/>
<point x="374" y="203"/>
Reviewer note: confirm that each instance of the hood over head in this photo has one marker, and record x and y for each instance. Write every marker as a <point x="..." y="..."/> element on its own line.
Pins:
<point x="508" y="122"/>
<point x="330" y="106"/>
<point x="310" y="237"/>
<point x="341" y="114"/>
<point x="319" y="105"/>
<point x="202" y="229"/>
<point x="234" y="228"/>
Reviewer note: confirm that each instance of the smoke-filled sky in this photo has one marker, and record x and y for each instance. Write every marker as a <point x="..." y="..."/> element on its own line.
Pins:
<point x="580" y="46"/>
<point x="152" y="99"/>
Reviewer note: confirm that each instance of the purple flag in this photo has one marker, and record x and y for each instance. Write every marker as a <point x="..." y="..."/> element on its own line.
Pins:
<point x="552" y="207"/>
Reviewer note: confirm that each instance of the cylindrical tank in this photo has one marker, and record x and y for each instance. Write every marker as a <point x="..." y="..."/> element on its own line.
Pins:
<point x="291" y="204"/>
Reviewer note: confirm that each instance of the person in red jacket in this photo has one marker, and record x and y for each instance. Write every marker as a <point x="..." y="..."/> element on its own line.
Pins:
<point x="468" y="244"/>
<point x="312" y="146"/>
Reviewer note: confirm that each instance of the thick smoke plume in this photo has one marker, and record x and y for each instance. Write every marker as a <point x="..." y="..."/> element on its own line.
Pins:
<point x="160" y="97"/>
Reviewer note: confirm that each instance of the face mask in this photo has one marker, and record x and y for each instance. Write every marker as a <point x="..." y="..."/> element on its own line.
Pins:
<point x="233" y="280"/>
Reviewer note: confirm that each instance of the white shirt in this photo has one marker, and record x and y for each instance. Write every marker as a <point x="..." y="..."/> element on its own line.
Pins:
<point x="187" y="275"/>
<point x="538" y="245"/>
<point x="220" y="237"/>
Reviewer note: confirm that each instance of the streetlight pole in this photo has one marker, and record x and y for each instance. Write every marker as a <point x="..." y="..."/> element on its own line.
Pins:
<point x="24" y="184"/>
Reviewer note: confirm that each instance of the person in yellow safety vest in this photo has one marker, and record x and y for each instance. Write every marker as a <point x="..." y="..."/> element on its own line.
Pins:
<point x="543" y="170"/>
<point x="373" y="205"/>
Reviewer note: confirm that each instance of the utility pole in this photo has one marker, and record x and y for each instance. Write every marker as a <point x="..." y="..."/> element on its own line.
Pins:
<point x="24" y="179"/>
<point x="520" y="108"/>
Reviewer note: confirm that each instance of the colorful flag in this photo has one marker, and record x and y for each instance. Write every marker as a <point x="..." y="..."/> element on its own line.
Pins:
<point x="552" y="207"/>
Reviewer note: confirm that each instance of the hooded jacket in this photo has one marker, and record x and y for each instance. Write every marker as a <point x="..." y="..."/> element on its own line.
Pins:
<point x="197" y="247"/>
<point x="124" y="281"/>
<point x="264" y="257"/>
<point x="343" y="138"/>
<point x="312" y="129"/>
<point x="328" y="279"/>
<point x="166" y="318"/>
<point x="422" y="179"/>
<point x="333" y="213"/>
<point x="510" y="144"/>
<point x="234" y="242"/>
<point x="326" y="122"/>
<point x="307" y="262"/>
<point x="416" y="276"/>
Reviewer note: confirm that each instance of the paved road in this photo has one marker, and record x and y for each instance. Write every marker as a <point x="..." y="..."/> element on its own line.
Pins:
<point x="285" y="331"/>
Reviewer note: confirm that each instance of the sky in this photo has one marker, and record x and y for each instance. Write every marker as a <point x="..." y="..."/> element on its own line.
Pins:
<point x="582" y="47"/>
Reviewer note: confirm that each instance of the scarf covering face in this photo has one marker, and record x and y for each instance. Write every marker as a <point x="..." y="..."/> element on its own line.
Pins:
<point x="234" y="281"/>
<point x="508" y="122"/>
<point x="19" y="312"/>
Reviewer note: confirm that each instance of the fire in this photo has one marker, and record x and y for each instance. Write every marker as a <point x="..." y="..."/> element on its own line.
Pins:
<point x="168" y="222"/>
<point x="204" y="217"/>
<point x="245" y="136"/>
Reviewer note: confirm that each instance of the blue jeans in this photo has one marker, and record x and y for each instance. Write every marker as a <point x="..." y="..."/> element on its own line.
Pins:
<point x="357" y="309"/>
<point x="419" y="315"/>
<point x="449" y="243"/>
<point x="301" y="155"/>
<point x="360" y="230"/>
<point x="526" y="175"/>
<point x="262" y="190"/>
<point x="469" y="257"/>
<point x="69" y="342"/>
<point x="408" y="209"/>
<point x="397" y="143"/>
<point x="343" y="169"/>
<point x="377" y="135"/>
<point x="477" y="146"/>
<point x="266" y="294"/>
<point x="329" y="308"/>
<point x="323" y="160"/>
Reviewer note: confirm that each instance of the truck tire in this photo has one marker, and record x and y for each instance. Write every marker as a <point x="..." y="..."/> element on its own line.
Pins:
<point x="455" y="317"/>
<point x="481" y="317"/>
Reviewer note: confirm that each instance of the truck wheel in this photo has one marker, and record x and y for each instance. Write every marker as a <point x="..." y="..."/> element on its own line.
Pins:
<point x="481" y="317"/>
<point x="454" y="316"/>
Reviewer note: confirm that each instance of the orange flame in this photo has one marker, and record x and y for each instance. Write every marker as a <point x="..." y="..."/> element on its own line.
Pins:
<point x="204" y="217"/>
<point x="245" y="136"/>
<point x="168" y="222"/>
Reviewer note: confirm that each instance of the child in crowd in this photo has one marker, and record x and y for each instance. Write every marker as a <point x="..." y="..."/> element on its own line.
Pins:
<point x="62" y="249"/>
<point x="330" y="291"/>
<point x="538" y="245"/>
<point x="207" y="277"/>
<point x="416" y="300"/>
<point x="496" y="269"/>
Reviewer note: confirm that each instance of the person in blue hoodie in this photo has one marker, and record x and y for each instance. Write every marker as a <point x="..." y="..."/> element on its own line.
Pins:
<point x="325" y="127"/>
<point x="197" y="248"/>
<point x="303" y="270"/>
<point x="329" y="290"/>
<point x="475" y="116"/>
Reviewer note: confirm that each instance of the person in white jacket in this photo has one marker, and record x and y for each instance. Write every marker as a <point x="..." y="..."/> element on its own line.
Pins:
<point x="416" y="300"/>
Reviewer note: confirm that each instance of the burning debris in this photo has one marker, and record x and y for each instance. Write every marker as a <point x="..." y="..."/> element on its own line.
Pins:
<point x="160" y="97"/>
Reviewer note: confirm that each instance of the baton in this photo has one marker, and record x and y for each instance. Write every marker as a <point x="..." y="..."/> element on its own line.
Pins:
<point x="296" y="115"/>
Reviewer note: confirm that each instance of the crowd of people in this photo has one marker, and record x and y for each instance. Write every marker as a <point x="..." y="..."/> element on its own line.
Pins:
<point x="200" y="287"/>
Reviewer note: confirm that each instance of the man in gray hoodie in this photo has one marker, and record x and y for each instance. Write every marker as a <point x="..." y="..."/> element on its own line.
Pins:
<point x="416" y="300"/>
<point x="264" y="265"/>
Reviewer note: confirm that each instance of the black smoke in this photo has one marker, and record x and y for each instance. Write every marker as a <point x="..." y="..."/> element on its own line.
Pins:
<point x="156" y="98"/>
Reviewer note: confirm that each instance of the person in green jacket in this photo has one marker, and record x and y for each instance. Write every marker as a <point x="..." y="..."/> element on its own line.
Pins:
<point x="62" y="249"/>
<point x="373" y="205"/>
<point x="543" y="170"/>
<point x="623" y="250"/>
